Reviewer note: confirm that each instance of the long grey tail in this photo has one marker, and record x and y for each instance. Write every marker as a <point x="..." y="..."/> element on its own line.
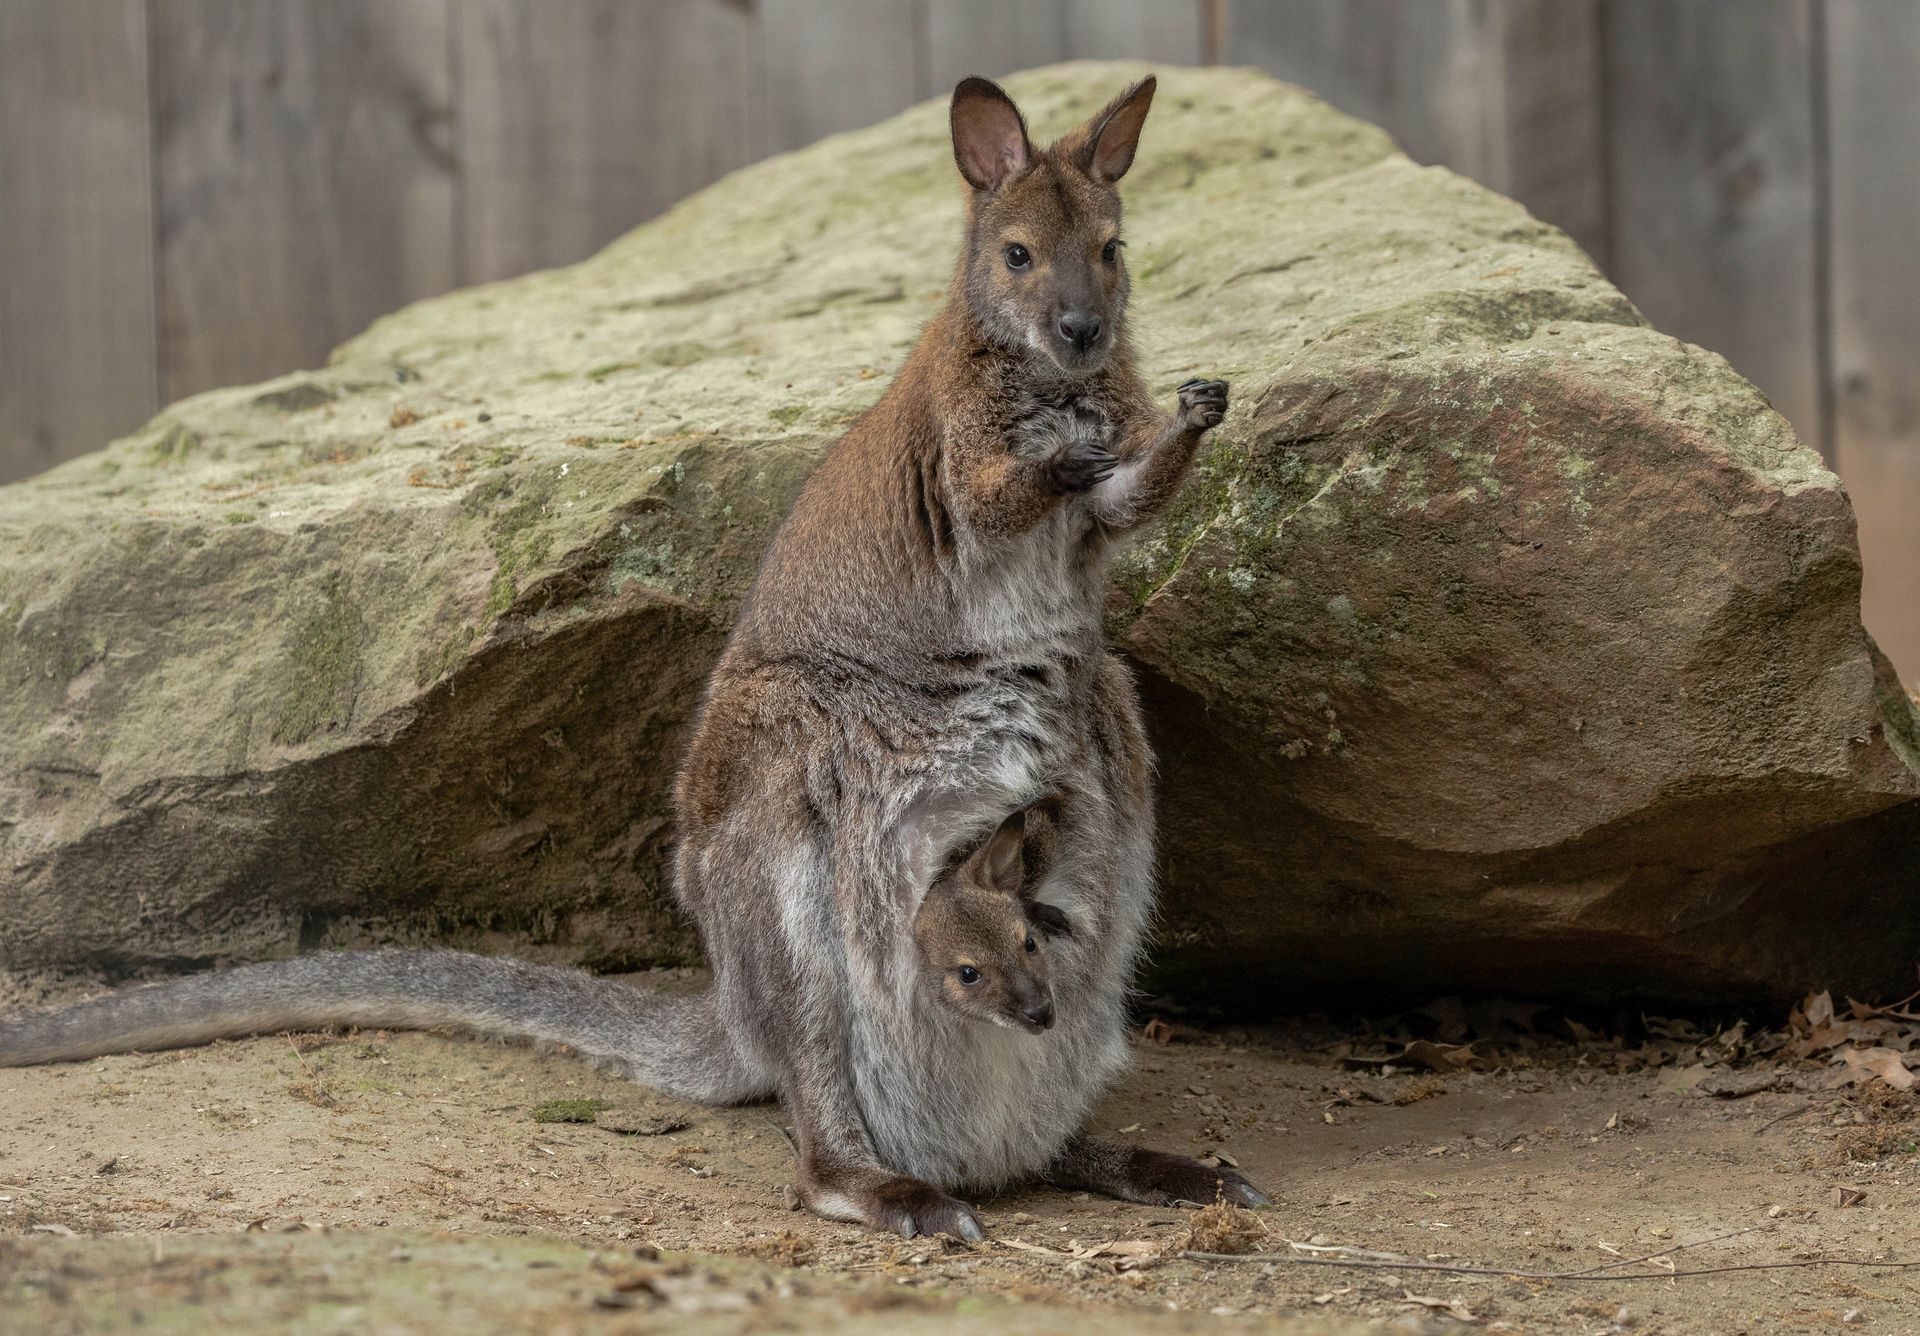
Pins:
<point x="675" y="1043"/>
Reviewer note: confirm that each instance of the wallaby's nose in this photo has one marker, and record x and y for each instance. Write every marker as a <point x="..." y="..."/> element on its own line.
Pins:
<point x="1081" y="329"/>
<point x="1039" y="1015"/>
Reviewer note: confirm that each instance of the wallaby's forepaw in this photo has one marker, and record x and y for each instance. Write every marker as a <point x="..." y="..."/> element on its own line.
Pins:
<point x="1082" y="466"/>
<point x="1203" y="403"/>
<point x="912" y="1208"/>
<point x="1160" y="1179"/>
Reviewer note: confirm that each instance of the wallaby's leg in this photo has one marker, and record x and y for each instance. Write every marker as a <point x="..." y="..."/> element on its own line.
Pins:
<point x="840" y="1176"/>
<point x="1139" y="489"/>
<point x="1150" y="1176"/>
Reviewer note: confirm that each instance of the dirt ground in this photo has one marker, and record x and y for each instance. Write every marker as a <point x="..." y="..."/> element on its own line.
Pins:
<point x="401" y="1182"/>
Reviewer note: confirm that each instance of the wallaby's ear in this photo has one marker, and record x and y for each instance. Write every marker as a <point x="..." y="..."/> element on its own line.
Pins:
<point x="1050" y="919"/>
<point x="1001" y="862"/>
<point x="989" y="134"/>
<point x="1104" y="146"/>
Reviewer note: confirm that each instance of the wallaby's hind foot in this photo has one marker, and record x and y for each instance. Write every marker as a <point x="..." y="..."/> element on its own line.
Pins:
<point x="880" y="1200"/>
<point x="1151" y="1177"/>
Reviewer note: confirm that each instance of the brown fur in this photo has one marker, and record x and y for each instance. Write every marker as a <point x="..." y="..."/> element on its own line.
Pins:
<point x="922" y="653"/>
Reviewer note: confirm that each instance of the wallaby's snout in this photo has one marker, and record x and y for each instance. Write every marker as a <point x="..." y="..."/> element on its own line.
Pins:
<point x="1081" y="330"/>
<point x="1038" y="1015"/>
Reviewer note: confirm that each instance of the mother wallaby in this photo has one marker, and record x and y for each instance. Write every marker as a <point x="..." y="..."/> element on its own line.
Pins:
<point x="921" y="655"/>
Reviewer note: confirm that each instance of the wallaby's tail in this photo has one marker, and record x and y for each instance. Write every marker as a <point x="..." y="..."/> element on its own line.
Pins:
<point x="672" y="1042"/>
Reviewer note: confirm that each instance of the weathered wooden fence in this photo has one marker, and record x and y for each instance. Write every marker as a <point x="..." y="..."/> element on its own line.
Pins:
<point x="199" y="192"/>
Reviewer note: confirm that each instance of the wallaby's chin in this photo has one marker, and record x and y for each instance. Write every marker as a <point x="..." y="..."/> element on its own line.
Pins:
<point x="1071" y="363"/>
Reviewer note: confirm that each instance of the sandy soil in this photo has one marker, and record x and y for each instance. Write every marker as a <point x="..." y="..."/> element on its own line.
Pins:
<point x="401" y="1182"/>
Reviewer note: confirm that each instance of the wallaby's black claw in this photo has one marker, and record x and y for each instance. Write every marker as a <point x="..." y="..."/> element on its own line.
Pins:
<point x="1082" y="466"/>
<point x="913" y="1209"/>
<point x="1242" y="1193"/>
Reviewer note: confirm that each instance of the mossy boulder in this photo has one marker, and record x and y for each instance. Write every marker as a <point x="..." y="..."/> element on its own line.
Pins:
<point x="1499" y="641"/>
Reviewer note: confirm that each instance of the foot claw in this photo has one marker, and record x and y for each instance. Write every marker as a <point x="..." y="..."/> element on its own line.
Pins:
<point x="1243" y="1193"/>
<point x="914" y="1209"/>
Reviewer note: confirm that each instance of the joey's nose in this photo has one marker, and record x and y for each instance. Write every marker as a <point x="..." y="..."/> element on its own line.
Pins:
<point x="1039" y="1015"/>
<point x="1081" y="329"/>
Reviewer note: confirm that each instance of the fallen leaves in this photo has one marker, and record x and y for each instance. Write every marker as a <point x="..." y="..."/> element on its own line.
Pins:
<point x="1865" y="1064"/>
<point x="1426" y="1053"/>
<point x="1119" y="1255"/>
<point x="1862" y="1043"/>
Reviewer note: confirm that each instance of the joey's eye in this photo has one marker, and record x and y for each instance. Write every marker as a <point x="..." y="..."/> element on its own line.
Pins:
<point x="1031" y="944"/>
<point x="1111" y="251"/>
<point x="969" y="975"/>
<point x="1018" y="256"/>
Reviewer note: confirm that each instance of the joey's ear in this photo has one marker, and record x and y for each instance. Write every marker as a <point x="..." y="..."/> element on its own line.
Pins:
<point x="1104" y="146"/>
<point x="1050" y="919"/>
<point x="989" y="134"/>
<point x="1001" y="861"/>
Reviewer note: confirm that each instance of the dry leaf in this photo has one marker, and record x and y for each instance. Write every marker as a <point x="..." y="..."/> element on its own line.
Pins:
<point x="1738" y="1085"/>
<point x="1817" y="1010"/>
<point x="1426" y="1053"/>
<point x="1034" y="1247"/>
<point x="1859" y="1065"/>
<point x="1453" y="1308"/>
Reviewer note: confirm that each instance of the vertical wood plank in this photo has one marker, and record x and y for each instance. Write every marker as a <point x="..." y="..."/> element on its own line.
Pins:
<point x="580" y="118"/>
<point x="1873" y="82"/>
<point x="1170" y="31"/>
<point x="990" y="38"/>
<point x="1550" y="127"/>
<point x="76" y="257"/>
<point x="1504" y="91"/>
<point x="998" y="37"/>
<point x="304" y="177"/>
<point x="1416" y="68"/>
<point x="1710" y="144"/>
<point x="833" y="65"/>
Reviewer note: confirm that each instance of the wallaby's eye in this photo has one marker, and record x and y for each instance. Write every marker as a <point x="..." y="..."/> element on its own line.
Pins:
<point x="1111" y="251"/>
<point x="969" y="975"/>
<point x="1031" y="944"/>
<point x="1018" y="256"/>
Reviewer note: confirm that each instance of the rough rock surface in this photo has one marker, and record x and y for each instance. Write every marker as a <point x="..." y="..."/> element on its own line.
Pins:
<point x="1498" y="642"/>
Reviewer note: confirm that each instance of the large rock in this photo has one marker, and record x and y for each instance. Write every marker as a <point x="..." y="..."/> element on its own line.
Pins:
<point x="1499" y="641"/>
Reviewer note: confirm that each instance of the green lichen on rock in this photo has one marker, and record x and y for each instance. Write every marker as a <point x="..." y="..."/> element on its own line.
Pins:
<point x="323" y="670"/>
<point x="1495" y="641"/>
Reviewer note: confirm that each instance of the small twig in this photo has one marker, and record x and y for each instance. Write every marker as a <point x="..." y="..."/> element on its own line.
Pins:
<point x="785" y="1136"/>
<point x="300" y="1058"/>
<point x="1781" y="1118"/>
<point x="1678" y="1247"/>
